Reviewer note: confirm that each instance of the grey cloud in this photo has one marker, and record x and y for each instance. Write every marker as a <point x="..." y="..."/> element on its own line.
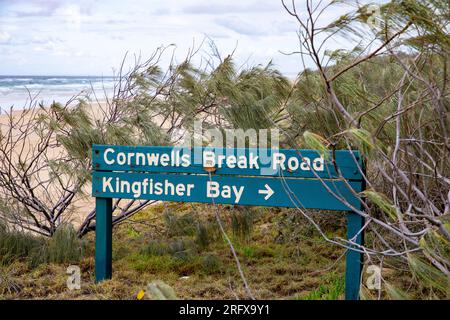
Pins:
<point x="118" y="21"/>
<point x="216" y="8"/>
<point x="253" y="28"/>
<point x="117" y="37"/>
<point x="284" y="26"/>
<point x="42" y="8"/>
<point x="44" y="40"/>
<point x="39" y="8"/>
<point x="161" y="12"/>
<point x="240" y="26"/>
<point x="217" y="35"/>
<point x="14" y="41"/>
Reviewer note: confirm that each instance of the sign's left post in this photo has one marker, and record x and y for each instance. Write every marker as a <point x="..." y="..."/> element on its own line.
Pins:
<point x="103" y="239"/>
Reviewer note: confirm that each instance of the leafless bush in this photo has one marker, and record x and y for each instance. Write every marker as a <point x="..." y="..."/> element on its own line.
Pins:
<point x="401" y="126"/>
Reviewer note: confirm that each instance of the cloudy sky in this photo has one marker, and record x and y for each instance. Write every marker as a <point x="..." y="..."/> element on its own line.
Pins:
<point x="63" y="37"/>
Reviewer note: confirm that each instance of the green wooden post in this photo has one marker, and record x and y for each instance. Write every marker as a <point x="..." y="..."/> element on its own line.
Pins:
<point x="354" y="259"/>
<point x="103" y="239"/>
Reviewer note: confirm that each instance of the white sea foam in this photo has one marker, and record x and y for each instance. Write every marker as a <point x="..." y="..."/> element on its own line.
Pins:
<point x="15" y="90"/>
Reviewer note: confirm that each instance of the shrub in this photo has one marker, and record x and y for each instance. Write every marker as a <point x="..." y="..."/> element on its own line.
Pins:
<point x="211" y="264"/>
<point x="153" y="264"/>
<point x="179" y="225"/>
<point x="333" y="290"/>
<point x="242" y="224"/>
<point x="63" y="247"/>
<point x="15" y="245"/>
<point x="181" y="249"/>
<point x="206" y="233"/>
<point x="8" y="284"/>
<point x="155" y="248"/>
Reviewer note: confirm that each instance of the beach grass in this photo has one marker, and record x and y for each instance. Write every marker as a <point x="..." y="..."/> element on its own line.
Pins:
<point x="282" y="257"/>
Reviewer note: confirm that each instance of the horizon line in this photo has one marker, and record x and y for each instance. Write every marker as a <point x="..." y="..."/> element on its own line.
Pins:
<point x="53" y="75"/>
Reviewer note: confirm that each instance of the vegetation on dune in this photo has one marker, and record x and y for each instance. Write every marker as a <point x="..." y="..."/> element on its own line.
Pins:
<point x="283" y="258"/>
<point x="63" y="247"/>
<point x="387" y="96"/>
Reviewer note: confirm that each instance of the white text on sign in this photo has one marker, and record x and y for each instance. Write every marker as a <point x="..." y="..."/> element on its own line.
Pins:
<point x="176" y="158"/>
<point x="148" y="186"/>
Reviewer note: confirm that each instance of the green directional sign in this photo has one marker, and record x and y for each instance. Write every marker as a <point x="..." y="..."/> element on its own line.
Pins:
<point x="229" y="161"/>
<point x="303" y="179"/>
<point x="255" y="191"/>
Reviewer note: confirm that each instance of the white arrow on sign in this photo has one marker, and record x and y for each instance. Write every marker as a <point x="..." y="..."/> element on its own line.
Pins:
<point x="268" y="191"/>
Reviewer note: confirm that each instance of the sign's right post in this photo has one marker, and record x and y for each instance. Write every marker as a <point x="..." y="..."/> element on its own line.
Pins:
<point x="354" y="259"/>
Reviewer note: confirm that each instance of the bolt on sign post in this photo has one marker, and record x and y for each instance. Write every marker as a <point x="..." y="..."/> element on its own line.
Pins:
<point x="302" y="179"/>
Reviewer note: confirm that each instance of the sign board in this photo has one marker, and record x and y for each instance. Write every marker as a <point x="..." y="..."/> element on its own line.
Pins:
<point x="229" y="161"/>
<point x="258" y="177"/>
<point x="254" y="191"/>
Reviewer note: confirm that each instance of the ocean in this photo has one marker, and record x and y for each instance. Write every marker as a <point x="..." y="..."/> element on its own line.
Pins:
<point x="14" y="90"/>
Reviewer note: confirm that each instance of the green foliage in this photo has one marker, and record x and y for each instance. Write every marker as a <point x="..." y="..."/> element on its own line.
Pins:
<point x="132" y="233"/>
<point x="8" y="283"/>
<point x="382" y="202"/>
<point x="152" y="264"/>
<point x="155" y="248"/>
<point x="179" y="224"/>
<point x="363" y="139"/>
<point x="316" y="142"/>
<point x="395" y="293"/>
<point x="207" y="232"/>
<point x="202" y="236"/>
<point x="256" y="252"/>
<point x="253" y="97"/>
<point x="242" y="224"/>
<point x="332" y="290"/>
<point x="63" y="247"/>
<point x="434" y="243"/>
<point x="430" y="17"/>
<point x="178" y="248"/>
<point x="429" y="274"/>
<point x="183" y="250"/>
<point x="181" y="264"/>
<point x="16" y="245"/>
<point x="211" y="264"/>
